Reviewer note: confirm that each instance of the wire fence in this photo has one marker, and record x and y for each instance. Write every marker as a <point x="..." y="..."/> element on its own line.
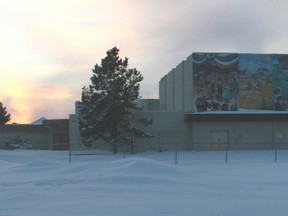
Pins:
<point x="189" y="157"/>
<point x="224" y="149"/>
<point x="197" y="146"/>
<point x="234" y="156"/>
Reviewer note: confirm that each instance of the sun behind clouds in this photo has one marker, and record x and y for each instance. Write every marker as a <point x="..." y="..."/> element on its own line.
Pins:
<point x="27" y="103"/>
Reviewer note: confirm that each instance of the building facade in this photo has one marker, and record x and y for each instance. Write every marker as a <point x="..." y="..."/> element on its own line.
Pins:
<point x="214" y="101"/>
<point x="226" y="82"/>
<point x="231" y="100"/>
<point x="210" y="101"/>
<point x="47" y="135"/>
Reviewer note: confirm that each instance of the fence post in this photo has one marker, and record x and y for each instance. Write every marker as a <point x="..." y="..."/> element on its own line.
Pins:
<point x="227" y="149"/>
<point x="124" y="151"/>
<point x="176" y="153"/>
<point x="275" y="152"/>
<point x="159" y="141"/>
<point x="69" y="154"/>
<point x="226" y="159"/>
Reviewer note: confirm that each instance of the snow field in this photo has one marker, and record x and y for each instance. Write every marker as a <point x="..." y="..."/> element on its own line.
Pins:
<point x="44" y="183"/>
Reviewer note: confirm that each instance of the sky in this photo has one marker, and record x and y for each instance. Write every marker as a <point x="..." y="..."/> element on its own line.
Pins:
<point x="48" y="48"/>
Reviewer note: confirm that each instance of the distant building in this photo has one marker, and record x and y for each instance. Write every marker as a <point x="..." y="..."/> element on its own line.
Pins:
<point x="39" y="121"/>
<point x="149" y="104"/>
<point x="42" y="134"/>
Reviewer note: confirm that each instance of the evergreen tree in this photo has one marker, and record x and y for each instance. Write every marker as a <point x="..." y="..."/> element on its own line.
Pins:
<point x="4" y="116"/>
<point x="108" y="105"/>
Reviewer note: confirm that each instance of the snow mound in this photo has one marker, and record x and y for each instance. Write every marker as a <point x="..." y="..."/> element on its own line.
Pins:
<point x="45" y="183"/>
<point x="139" y="171"/>
<point x="144" y="166"/>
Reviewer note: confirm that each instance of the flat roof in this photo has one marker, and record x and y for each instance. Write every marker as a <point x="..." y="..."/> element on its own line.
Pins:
<point x="229" y="116"/>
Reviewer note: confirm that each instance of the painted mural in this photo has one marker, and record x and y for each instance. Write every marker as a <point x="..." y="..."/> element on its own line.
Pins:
<point x="231" y="81"/>
<point x="215" y="81"/>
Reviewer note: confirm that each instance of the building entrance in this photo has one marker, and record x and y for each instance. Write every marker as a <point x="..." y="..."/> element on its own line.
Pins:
<point x="219" y="140"/>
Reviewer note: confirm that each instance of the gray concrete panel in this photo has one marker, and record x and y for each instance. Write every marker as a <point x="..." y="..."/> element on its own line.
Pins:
<point x="188" y="84"/>
<point x="170" y="91"/>
<point x="162" y="93"/>
<point x="178" y="86"/>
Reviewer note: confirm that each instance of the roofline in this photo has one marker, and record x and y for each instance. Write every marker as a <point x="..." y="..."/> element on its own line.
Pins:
<point x="241" y="53"/>
<point x="232" y="117"/>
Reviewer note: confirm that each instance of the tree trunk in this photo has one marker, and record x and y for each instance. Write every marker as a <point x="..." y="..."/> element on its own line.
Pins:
<point x="115" y="150"/>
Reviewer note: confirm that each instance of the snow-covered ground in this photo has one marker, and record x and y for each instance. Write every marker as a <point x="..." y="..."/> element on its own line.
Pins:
<point x="44" y="183"/>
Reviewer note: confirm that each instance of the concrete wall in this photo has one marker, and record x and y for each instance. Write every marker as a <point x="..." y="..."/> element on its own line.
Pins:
<point x="74" y="133"/>
<point x="179" y="87"/>
<point x="188" y="84"/>
<point x="168" y="128"/>
<point x="170" y="91"/>
<point x="241" y="135"/>
<point x="162" y="93"/>
<point x="76" y="142"/>
<point x="175" y="88"/>
<point x="149" y="104"/>
<point x="51" y="135"/>
<point x="58" y="132"/>
<point x="280" y="135"/>
<point x="35" y="135"/>
<point x="169" y="131"/>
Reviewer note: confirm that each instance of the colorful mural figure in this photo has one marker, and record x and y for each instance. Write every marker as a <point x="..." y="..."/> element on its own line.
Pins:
<point x="231" y="81"/>
<point x="215" y="81"/>
<point x="256" y="88"/>
<point x="280" y="82"/>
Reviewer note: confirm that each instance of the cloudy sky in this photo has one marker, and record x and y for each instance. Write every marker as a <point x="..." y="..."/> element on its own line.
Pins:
<point x="49" y="47"/>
